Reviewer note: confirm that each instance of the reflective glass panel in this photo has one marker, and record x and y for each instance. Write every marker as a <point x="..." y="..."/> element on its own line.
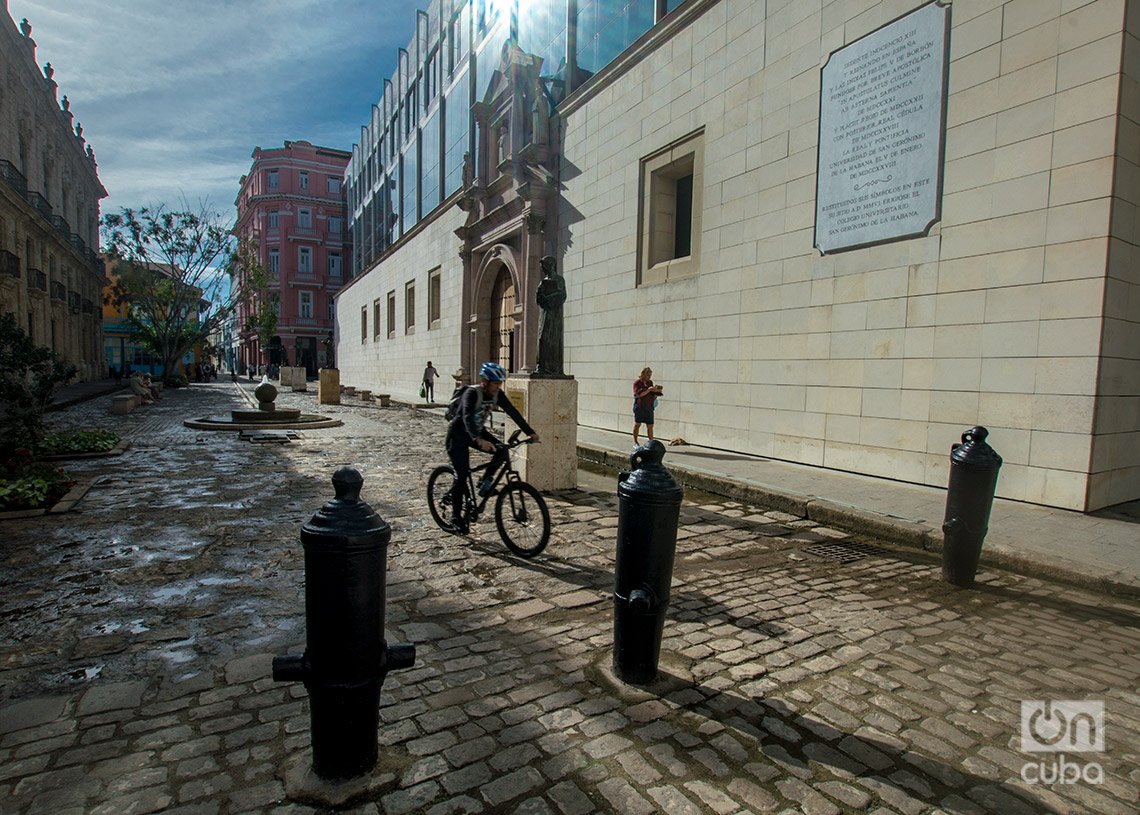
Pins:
<point x="429" y="163"/>
<point x="542" y="31"/>
<point x="409" y="213"/>
<point x="457" y="118"/>
<point x="606" y="28"/>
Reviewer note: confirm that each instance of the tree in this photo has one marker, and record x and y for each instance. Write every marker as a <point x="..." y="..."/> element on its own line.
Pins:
<point x="29" y="376"/>
<point x="255" y="292"/>
<point x="170" y="274"/>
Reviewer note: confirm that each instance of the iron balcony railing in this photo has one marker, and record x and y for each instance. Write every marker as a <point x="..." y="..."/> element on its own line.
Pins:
<point x="79" y="244"/>
<point x="73" y="302"/>
<point x="14" y="177"/>
<point x="9" y="263"/>
<point x="40" y="203"/>
<point x="58" y="292"/>
<point x="37" y="279"/>
<point x="88" y="306"/>
<point x="61" y="226"/>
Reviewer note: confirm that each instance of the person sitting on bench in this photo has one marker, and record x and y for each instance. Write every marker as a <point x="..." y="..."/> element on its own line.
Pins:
<point x="140" y="389"/>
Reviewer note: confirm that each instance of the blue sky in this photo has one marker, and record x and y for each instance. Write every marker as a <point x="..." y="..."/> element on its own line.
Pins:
<point x="174" y="96"/>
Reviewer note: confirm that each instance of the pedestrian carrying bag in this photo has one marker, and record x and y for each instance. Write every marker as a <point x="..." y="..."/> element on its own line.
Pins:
<point x="423" y="390"/>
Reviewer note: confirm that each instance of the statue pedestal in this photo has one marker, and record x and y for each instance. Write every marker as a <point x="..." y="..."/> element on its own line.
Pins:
<point x="284" y="377"/>
<point x="551" y="407"/>
<point x="328" y="386"/>
<point x="300" y="383"/>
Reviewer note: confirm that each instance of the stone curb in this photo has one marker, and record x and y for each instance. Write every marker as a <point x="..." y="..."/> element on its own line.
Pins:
<point x="121" y="447"/>
<point x="64" y="504"/>
<point x="886" y="528"/>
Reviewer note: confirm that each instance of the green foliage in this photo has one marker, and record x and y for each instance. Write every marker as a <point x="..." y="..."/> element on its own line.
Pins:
<point x="76" y="442"/>
<point x="29" y="377"/>
<point x="25" y="484"/>
<point x="256" y="292"/>
<point x="169" y="269"/>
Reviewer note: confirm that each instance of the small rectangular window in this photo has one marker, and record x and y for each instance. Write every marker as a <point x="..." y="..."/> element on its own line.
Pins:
<point x="335" y="266"/>
<point x="303" y="180"/>
<point x="304" y="260"/>
<point x="433" y="299"/>
<point x="364" y="324"/>
<point x="336" y="226"/>
<point x="376" y="317"/>
<point x="305" y="304"/>
<point x="305" y="218"/>
<point x="410" y="308"/>
<point x="333" y="186"/>
<point x="391" y="314"/>
<point x="274" y="219"/>
<point x="669" y="218"/>
<point x="272" y="179"/>
<point x="274" y="262"/>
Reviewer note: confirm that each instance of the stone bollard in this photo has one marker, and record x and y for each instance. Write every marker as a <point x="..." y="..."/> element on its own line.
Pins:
<point x="328" y="386"/>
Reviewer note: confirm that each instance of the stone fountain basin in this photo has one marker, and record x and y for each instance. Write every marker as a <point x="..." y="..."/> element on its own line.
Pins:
<point x="276" y="415"/>
<point x="303" y="421"/>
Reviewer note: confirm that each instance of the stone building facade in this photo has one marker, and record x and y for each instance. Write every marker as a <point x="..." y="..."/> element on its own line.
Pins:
<point x="51" y="276"/>
<point x="1018" y="308"/>
<point x="291" y="209"/>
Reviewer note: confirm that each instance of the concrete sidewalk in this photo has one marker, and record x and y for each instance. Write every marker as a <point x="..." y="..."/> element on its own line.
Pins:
<point x="1099" y="551"/>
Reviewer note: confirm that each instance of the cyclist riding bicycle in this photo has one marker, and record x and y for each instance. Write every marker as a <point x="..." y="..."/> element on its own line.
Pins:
<point x="468" y="430"/>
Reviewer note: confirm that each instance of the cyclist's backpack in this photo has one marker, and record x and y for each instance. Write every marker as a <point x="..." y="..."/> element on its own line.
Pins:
<point x="453" y="406"/>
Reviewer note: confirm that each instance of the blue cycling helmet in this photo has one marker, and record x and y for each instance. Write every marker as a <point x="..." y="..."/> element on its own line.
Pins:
<point x="492" y="372"/>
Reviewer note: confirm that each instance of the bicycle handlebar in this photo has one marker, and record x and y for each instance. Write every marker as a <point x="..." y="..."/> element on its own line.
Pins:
<point x="513" y="441"/>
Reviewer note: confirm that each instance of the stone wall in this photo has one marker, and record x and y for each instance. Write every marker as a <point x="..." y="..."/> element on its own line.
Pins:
<point x="55" y="242"/>
<point x="872" y="360"/>
<point x="395" y="365"/>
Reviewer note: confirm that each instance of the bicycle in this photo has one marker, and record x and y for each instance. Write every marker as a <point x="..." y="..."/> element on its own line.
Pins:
<point x="520" y="510"/>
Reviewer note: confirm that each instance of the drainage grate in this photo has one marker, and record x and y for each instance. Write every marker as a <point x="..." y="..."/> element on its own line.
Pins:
<point x="268" y="436"/>
<point x="843" y="551"/>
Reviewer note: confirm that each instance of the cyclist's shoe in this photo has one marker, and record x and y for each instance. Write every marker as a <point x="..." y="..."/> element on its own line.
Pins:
<point x="458" y="525"/>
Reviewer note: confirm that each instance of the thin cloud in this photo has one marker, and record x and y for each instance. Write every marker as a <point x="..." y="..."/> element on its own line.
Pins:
<point x="173" y="97"/>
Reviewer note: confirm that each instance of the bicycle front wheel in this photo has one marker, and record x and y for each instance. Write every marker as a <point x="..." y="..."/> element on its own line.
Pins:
<point x="439" y="497"/>
<point x="523" y="519"/>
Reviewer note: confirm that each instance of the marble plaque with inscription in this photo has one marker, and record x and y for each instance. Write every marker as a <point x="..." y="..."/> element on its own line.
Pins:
<point x="881" y="133"/>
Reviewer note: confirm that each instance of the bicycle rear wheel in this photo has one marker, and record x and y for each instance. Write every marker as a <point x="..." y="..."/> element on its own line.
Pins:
<point x="523" y="519"/>
<point x="439" y="487"/>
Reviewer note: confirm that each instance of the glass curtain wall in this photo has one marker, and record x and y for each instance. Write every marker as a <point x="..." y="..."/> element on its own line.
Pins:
<point x="411" y="158"/>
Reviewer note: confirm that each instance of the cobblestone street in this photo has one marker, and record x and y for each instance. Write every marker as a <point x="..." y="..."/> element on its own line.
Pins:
<point x="802" y="671"/>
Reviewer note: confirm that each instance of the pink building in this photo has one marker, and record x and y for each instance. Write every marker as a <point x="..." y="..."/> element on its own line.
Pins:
<point x="291" y="208"/>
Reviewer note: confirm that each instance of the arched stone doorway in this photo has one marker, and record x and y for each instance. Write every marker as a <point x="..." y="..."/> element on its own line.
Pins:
<point x="502" y="334"/>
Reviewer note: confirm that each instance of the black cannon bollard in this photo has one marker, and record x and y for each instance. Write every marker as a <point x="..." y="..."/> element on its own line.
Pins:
<point x="346" y="658"/>
<point x="974" y="469"/>
<point x="649" y="505"/>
